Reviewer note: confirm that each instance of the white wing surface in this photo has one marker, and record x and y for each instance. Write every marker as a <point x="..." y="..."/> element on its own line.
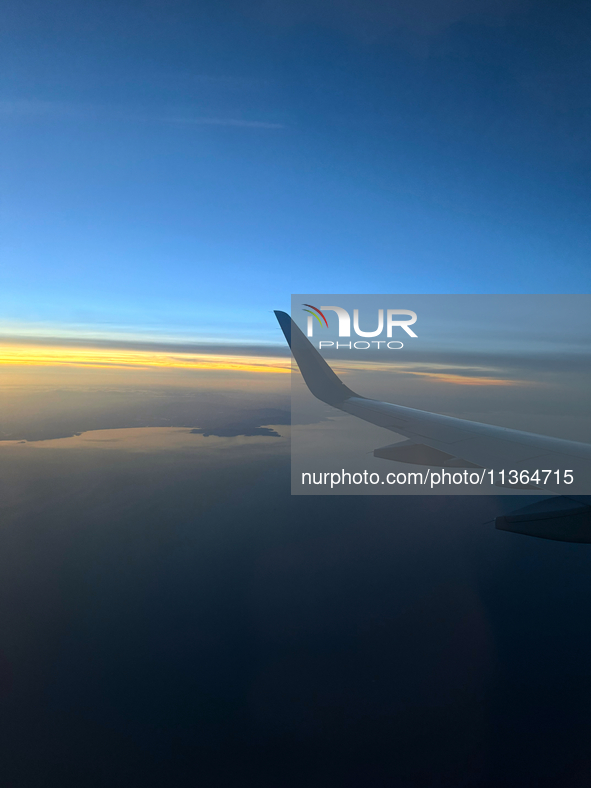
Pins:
<point x="446" y="442"/>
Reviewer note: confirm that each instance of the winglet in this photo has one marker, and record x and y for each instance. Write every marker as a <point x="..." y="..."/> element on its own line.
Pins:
<point x="319" y="377"/>
<point x="285" y="322"/>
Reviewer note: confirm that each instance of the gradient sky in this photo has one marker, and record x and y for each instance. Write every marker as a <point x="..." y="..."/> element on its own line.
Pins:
<point x="176" y="170"/>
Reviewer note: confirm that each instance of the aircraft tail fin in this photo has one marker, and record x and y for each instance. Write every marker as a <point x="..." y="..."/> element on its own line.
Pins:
<point x="318" y="376"/>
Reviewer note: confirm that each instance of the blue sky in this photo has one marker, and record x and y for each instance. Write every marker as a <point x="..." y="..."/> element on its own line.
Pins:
<point x="178" y="169"/>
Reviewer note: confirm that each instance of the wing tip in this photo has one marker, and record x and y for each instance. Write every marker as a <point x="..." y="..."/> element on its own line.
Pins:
<point x="322" y="381"/>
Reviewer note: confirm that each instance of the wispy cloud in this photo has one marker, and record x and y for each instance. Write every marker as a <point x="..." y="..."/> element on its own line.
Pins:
<point x="249" y="124"/>
<point x="456" y="375"/>
<point x="29" y="108"/>
<point x="370" y="20"/>
<point x="36" y="108"/>
<point x="133" y="344"/>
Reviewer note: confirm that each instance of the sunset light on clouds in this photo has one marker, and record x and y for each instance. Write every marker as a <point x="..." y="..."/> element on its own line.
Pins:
<point x="56" y="356"/>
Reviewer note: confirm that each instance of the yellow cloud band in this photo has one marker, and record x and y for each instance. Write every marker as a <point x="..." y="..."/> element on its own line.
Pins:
<point x="41" y="355"/>
<point x="30" y="355"/>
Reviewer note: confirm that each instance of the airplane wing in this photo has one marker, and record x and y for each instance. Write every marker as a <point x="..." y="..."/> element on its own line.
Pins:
<point x="444" y="441"/>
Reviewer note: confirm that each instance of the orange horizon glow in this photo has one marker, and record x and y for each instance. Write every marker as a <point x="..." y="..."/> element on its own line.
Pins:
<point x="25" y="355"/>
<point x="464" y="380"/>
<point x="110" y="358"/>
<point x="439" y="373"/>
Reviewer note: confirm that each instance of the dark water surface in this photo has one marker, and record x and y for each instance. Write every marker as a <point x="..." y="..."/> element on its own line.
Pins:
<point x="171" y="616"/>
